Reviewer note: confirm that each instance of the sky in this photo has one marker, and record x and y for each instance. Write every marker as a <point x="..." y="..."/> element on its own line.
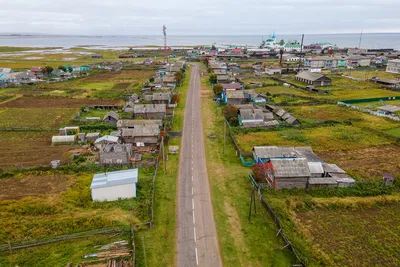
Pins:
<point x="185" y="17"/>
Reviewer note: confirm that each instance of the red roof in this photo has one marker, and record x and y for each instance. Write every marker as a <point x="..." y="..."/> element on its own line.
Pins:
<point x="236" y="86"/>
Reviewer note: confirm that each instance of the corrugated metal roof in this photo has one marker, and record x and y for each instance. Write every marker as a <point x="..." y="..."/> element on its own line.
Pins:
<point x="149" y="108"/>
<point x="102" y="180"/>
<point x="141" y="130"/>
<point x="133" y="123"/>
<point x="109" y="138"/>
<point x="311" y="76"/>
<point x="296" y="167"/>
<point x="332" y="168"/>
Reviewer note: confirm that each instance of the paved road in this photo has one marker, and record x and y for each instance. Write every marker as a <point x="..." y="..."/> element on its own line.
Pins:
<point x="197" y="243"/>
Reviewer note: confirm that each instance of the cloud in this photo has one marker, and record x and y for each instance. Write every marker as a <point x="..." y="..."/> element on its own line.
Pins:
<point x="231" y="17"/>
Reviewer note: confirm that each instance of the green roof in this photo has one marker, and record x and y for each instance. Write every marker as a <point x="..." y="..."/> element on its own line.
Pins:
<point x="293" y="45"/>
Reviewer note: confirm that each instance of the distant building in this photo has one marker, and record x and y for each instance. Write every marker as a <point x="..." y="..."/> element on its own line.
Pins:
<point x="393" y="66"/>
<point x="313" y="78"/>
<point x="97" y="56"/>
<point x="116" y="185"/>
<point x="389" y="110"/>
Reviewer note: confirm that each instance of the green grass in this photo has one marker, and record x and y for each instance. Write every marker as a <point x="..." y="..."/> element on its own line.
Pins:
<point x="242" y="242"/>
<point x="394" y="132"/>
<point x="179" y="111"/>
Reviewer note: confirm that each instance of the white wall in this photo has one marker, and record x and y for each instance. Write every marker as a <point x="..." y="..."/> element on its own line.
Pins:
<point x="112" y="193"/>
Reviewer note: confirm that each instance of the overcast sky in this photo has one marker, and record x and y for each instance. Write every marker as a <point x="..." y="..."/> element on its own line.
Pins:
<point x="218" y="17"/>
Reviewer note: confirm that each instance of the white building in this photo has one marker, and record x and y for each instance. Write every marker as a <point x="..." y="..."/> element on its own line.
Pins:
<point x="114" y="185"/>
<point x="393" y="66"/>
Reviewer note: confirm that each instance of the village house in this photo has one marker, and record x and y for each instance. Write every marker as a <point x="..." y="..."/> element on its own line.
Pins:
<point x="97" y="56"/>
<point x="169" y="81"/>
<point x="106" y="140"/>
<point x="256" y="117"/>
<point x="288" y="173"/>
<point x="37" y="71"/>
<point x="358" y="61"/>
<point x="149" y="111"/>
<point x="116" y="185"/>
<point x="393" y="66"/>
<point x="132" y="123"/>
<point x="231" y="86"/>
<point x="313" y="78"/>
<point x="111" y="118"/>
<point x="128" y="107"/>
<point x="224" y="79"/>
<point x="219" y="72"/>
<point x="161" y="98"/>
<point x="141" y="135"/>
<point x="115" y="154"/>
<point x="271" y="71"/>
<point x="238" y="97"/>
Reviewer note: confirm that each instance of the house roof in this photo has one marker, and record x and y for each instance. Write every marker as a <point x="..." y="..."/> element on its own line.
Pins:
<point x="108" y="138"/>
<point x="253" y="124"/>
<point x="236" y="86"/>
<point x="111" y="114"/>
<point x="219" y="72"/>
<point x="332" y="168"/>
<point x="161" y="96"/>
<point x="311" y="76"/>
<point x="141" y="130"/>
<point x="133" y="123"/>
<point x="149" y="108"/>
<point x="223" y="77"/>
<point x="169" y="79"/>
<point x="5" y="70"/>
<point x="36" y="69"/>
<point x="296" y="167"/>
<point x="389" y="108"/>
<point x="316" y="167"/>
<point x="251" y="114"/>
<point x="116" y="148"/>
<point x="108" y="179"/>
<point x="235" y="94"/>
<point x="267" y="152"/>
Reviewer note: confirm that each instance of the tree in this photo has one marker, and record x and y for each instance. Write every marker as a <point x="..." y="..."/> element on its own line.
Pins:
<point x="247" y="86"/>
<point x="48" y="70"/>
<point x="259" y="172"/>
<point x="209" y="70"/>
<point x="213" y="78"/>
<point x="70" y="69"/>
<point x="178" y="77"/>
<point x="151" y="79"/>
<point x="218" y="89"/>
<point x="281" y="42"/>
<point x="64" y="69"/>
<point x="175" y="99"/>
<point x="230" y="112"/>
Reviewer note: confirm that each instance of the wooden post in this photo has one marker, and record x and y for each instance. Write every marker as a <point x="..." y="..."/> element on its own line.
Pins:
<point x="144" y="252"/>
<point x="224" y="134"/>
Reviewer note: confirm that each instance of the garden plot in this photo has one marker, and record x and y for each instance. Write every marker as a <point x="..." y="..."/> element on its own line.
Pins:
<point x="358" y="237"/>
<point x="27" y="102"/>
<point x="30" y="149"/>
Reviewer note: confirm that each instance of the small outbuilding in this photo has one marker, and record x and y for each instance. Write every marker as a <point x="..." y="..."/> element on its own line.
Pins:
<point x="116" y="185"/>
<point x="63" y="139"/>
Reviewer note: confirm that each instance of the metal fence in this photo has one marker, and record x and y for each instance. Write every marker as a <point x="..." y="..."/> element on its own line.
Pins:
<point x="372" y="112"/>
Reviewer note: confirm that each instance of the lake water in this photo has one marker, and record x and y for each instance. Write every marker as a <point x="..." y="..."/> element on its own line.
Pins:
<point x="369" y="40"/>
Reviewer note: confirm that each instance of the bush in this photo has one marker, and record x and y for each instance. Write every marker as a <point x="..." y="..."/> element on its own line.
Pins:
<point x="218" y="89"/>
<point x="175" y="99"/>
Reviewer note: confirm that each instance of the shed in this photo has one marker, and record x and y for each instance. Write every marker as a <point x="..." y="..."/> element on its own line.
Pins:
<point x="316" y="169"/>
<point x="389" y="109"/>
<point x="114" y="185"/>
<point x="322" y="182"/>
<point x="63" y="139"/>
<point x="115" y="154"/>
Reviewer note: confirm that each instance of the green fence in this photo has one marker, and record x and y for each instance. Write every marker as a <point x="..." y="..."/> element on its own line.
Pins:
<point x="366" y="100"/>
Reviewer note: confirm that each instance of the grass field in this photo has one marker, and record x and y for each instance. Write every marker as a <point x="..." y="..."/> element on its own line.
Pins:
<point x="243" y="242"/>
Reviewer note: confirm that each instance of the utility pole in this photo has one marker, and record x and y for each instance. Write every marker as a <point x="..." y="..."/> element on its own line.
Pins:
<point x="165" y="44"/>
<point x="301" y="51"/>
<point x="359" y="43"/>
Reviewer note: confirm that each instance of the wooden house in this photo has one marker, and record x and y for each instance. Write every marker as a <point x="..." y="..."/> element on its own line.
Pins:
<point x="288" y="173"/>
<point x="149" y="111"/>
<point x="141" y="135"/>
<point x="313" y="78"/>
<point x="111" y="154"/>
<point x="111" y="118"/>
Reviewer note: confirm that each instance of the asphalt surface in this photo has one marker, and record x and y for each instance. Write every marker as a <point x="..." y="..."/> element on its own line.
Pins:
<point x="197" y="243"/>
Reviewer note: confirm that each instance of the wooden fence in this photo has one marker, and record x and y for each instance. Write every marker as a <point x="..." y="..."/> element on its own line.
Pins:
<point x="274" y="217"/>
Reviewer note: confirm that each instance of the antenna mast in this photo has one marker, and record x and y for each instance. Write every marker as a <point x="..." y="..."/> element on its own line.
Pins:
<point x="359" y="43"/>
<point x="165" y="44"/>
